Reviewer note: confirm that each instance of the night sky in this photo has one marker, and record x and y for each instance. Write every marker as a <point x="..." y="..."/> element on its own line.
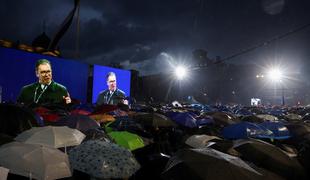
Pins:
<point x="144" y="34"/>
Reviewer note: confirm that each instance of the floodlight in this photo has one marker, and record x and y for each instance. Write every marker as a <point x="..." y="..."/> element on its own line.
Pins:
<point x="275" y="75"/>
<point x="180" y="72"/>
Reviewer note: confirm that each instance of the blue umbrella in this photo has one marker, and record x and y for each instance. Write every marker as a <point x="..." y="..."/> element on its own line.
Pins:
<point x="141" y="108"/>
<point x="197" y="106"/>
<point x="205" y="121"/>
<point x="279" y="130"/>
<point x="185" y="119"/>
<point x="224" y="109"/>
<point x="245" y="130"/>
<point x="208" y="108"/>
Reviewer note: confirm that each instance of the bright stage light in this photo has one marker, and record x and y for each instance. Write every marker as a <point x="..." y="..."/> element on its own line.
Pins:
<point x="180" y="72"/>
<point x="275" y="75"/>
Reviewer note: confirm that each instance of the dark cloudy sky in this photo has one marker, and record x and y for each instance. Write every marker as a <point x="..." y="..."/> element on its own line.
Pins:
<point x="144" y="34"/>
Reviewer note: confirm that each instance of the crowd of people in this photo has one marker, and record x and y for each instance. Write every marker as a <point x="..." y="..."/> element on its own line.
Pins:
<point x="178" y="140"/>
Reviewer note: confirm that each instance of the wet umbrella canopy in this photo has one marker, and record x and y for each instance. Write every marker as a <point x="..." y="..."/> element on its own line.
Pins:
<point x="34" y="161"/>
<point x="127" y="124"/>
<point x="5" y="139"/>
<point x="278" y="129"/>
<point x="207" y="163"/>
<point x="15" y="119"/>
<point x="105" y="108"/>
<point x="246" y="130"/>
<point x="102" y="118"/>
<point x="52" y="136"/>
<point x="103" y="160"/>
<point x="224" y="119"/>
<point x="154" y="120"/>
<point x="80" y="122"/>
<point x="298" y="129"/>
<point x="253" y="119"/>
<point x="270" y="157"/>
<point x="185" y="119"/>
<point x="267" y="117"/>
<point x="199" y="141"/>
<point x="127" y="140"/>
<point x="97" y="134"/>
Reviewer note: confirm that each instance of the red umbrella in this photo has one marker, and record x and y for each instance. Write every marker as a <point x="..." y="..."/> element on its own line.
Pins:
<point x="46" y="114"/>
<point x="105" y="108"/>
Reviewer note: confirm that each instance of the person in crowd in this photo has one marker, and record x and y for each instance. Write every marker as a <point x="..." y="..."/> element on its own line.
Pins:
<point x="46" y="91"/>
<point x="112" y="95"/>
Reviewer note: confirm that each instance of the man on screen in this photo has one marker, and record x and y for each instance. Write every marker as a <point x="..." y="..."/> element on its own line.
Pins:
<point x="112" y="95"/>
<point x="45" y="91"/>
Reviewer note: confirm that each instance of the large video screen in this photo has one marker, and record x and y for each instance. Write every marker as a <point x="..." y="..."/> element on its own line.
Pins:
<point x="17" y="69"/>
<point x="100" y="84"/>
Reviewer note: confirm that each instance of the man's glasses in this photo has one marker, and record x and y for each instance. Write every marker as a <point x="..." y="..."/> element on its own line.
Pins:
<point x="45" y="72"/>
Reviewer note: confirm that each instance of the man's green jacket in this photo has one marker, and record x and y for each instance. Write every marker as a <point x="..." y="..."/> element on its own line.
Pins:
<point x="34" y="94"/>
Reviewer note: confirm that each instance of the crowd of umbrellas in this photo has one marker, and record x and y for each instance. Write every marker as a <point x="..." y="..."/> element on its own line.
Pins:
<point x="154" y="141"/>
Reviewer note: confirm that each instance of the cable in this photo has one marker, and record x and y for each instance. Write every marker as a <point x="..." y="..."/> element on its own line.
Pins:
<point x="259" y="45"/>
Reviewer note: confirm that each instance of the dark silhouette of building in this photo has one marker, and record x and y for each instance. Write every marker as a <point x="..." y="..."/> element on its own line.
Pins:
<point x="41" y="41"/>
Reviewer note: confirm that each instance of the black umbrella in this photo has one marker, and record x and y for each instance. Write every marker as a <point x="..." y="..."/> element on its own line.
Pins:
<point x="211" y="129"/>
<point x="142" y="108"/>
<point x="256" y="110"/>
<point x="225" y="146"/>
<point x="5" y="139"/>
<point x="152" y="162"/>
<point x="298" y="129"/>
<point x="15" y="119"/>
<point x="97" y="134"/>
<point x="252" y="118"/>
<point x="306" y="117"/>
<point x="270" y="157"/>
<point x="304" y="153"/>
<point x="224" y="119"/>
<point x="155" y="120"/>
<point x="80" y="122"/>
<point x="208" y="163"/>
<point x="127" y="124"/>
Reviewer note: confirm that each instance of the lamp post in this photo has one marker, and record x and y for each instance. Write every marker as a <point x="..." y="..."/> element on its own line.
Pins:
<point x="283" y="101"/>
<point x="181" y="73"/>
<point x="276" y="77"/>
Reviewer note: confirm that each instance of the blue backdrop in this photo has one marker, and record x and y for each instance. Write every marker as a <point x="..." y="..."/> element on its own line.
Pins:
<point x="17" y="68"/>
<point x="100" y="83"/>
